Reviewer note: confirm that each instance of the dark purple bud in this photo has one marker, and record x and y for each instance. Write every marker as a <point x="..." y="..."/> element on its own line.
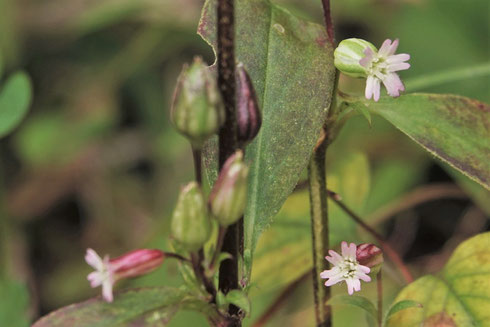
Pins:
<point x="370" y="255"/>
<point x="249" y="118"/>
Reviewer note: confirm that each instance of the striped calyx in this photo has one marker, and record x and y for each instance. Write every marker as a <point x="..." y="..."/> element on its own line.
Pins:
<point x="349" y="54"/>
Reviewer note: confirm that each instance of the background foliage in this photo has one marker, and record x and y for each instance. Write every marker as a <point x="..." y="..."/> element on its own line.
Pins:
<point x="96" y="163"/>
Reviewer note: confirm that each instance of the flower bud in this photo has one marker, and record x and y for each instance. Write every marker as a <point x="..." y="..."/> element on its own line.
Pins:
<point x="108" y="272"/>
<point x="348" y="55"/>
<point x="190" y="222"/>
<point x="248" y="113"/>
<point x="371" y="256"/>
<point x="197" y="107"/>
<point x="228" y="197"/>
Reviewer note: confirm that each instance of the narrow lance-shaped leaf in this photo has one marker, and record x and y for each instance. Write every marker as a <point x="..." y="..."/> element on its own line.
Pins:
<point x="453" y="128"/>
<point x="290" y="63"/>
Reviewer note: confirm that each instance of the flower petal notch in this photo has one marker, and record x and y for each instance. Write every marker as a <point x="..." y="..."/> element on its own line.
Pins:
<point x="346" y="268"/>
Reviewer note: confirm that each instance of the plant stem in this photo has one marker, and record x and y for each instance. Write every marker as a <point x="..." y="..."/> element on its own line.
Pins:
<point x="328" y="21"/>
<point x="196" y="155"/>
<point x="201" y="276"/>
<point x="228" y="272"/>
<point x="177" y="256"/>
<point x="390" y="252"/>
<point x="219" y="245"/>
<point x="379" y="282"/>
<point x="319" y="229"/>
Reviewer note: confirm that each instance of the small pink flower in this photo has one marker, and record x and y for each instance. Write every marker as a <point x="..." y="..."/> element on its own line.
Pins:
<point x="381" y="67"/>
<point x="108" y="272"/>
<point x="346" y="268"/>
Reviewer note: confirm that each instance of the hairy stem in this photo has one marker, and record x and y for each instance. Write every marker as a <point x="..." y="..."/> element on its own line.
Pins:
<point x="196" y="260"/>
<point x="319" y="229"/>
<point x="228" y="272"/>
<point x="390" y="252"/>
<point x="327" y="16"/>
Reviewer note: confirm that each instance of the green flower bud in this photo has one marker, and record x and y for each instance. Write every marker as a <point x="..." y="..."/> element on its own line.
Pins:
<point x="371" y="256"/>
<point x="197" y="107"/>
<point x="190" y="222"/>
<point x="228" y="197"/>
<point x="348" y="55"/>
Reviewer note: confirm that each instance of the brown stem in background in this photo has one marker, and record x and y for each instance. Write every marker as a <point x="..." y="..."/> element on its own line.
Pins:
<point x="390" y="252"/>
<point x="327" y="16"/>
<point x="279" y="301"/>
<point x="196" y="155"/>
<point x="228" y="272"/>
<point x="379" y="284"/>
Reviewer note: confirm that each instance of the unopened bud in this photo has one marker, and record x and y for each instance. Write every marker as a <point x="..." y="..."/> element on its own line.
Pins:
<point x="197" y="107"/>
<point x="132" y="264"/>
<point x="348" y="55"/>
<point x="249" y="118"/>
<point x="371" y="256"/>
<point x="228" y="197"/>
<point x="190" y="222"/>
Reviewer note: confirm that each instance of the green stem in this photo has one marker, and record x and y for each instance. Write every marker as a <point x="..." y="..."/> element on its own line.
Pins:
<point x="319" y="230"/>
<point x="452" y="75"/>
<point x="379" y="282"/>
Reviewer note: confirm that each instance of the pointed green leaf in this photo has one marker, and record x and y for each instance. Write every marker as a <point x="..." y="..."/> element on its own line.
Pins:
<point x="453" y="128"/>
<point x="15" y="98"/>
<point x="458" y="296"/>
<point x="290" y="62"/>
<point x="355" y="300"/>
<point x="137" y="307"/>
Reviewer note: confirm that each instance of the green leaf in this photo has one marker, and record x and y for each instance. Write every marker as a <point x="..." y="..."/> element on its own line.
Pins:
<point x="14" y="303"/>
<point x="458" y="296"/>
<point x="15" y="98"/>
<point x="402" y="305"/>
<point x="1" y="65"/>
<point x="453" y="128"/>
<point x="290" y="62"/>
<point x="240" y="299"/>
<point x="137" y="307"/>
<point x="355" y="300"/>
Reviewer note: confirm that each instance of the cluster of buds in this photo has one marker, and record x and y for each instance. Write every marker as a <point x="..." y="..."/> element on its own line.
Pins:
<point x="198" y="110"/>
<point x="132" y="264"/>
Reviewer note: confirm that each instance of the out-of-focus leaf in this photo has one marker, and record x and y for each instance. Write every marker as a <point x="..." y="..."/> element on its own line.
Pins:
<point x="137" y="307"/>
<point x="14" y="301"/>
<point x="458" y="296"/>
<point x="402" y="305"/>
<point x="355" y="300"/>
<point x="291" y="65"/>
<point x="479" y="194"/>
<point x="453" y="128"/>
<point x="1" y="65"/>
<point x="15" y="98"/>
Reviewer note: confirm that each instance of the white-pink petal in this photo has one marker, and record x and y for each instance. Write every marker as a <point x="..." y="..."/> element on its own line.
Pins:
<point x="399" y="66"/>
<point x="401" y="57"/>
<point x="107" y="291"/>
<point x="393" y="84"/>
<point x="369" y="54"/>
<point x="93" y="259"/>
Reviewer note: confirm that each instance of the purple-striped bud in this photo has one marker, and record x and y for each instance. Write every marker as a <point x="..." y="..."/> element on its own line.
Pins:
<point x="228" y="197"/>
<point x="248" y="113"/>
<point x="132" y="264"/>
<point x="371" y="256"/>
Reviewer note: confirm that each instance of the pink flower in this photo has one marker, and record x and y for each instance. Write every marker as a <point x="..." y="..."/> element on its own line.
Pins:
<point x="108" y="272"/>
<point x="381" y="67"/>
<point x="346" y="268"/>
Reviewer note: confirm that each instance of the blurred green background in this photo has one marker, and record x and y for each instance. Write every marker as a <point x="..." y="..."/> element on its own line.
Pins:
<point x="97" y="164"/>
